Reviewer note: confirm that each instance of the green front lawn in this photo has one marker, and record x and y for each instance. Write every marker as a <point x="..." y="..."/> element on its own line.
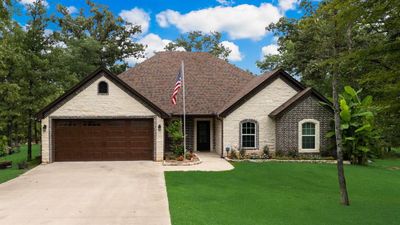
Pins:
<point x="285" y="193"/>
<point x="10" y="173"/>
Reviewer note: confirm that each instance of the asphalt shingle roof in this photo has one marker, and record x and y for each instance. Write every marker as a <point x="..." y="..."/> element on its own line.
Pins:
<point x="210" y="82"/>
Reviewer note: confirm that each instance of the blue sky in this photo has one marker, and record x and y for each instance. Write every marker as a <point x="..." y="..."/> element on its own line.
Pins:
<point x="242" y="23"/>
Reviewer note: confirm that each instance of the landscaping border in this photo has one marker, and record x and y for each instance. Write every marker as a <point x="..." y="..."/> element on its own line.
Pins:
<point x="287" y="160"/>
<point x="182" y="163"/>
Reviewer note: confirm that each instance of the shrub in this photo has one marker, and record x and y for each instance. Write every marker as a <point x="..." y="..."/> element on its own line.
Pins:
<point x="22" y="165"/>
<point x="233" y="154"/>
<point x="293" y="153"/>
<point x="174" y="130"/>
<point x="242" y="153"/>
<point x="266" y="151"/>
<point x="3" y="145"/>
<point x="279" y="153"/>
<point x="189" y="156"/>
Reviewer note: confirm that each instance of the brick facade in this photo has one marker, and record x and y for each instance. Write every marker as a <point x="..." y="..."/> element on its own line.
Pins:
<point x="287" y="126"/>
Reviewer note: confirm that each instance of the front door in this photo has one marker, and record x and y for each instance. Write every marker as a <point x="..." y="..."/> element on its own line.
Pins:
<point x="203" y="136"/>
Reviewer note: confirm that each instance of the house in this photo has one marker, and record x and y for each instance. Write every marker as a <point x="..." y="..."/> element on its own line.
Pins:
<point x="109" y="117"/>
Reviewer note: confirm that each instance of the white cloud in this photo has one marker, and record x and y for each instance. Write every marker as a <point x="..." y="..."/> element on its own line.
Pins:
<point x="154" y="44"/>
<point x="48" y="32"/>
<point x="136" y="16"/>
<point x="235" y="54"/>
<point x="271" y="49"/>
<point x="288" y="4"/>
<point x="242" y="21"/>
<point x="72" y="9"/>
<point x="30" y="2"/>
<point x="226" y="2"/>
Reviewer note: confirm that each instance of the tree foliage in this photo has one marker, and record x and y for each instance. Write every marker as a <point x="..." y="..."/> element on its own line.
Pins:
<point x="97" y="38"/>
<point x="37" y="65"/>
<point x="367" y="38"/>
<point x="197" y="41"/>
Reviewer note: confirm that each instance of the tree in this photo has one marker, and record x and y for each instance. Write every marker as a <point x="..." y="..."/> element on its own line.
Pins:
<point x="96" y="38"/>
<point x="35" y="80"/>
<point x="11" y="62"/>
<point x="313" y="46"/>
<point x="369" y="34"/>
<point x="197" y="41"/>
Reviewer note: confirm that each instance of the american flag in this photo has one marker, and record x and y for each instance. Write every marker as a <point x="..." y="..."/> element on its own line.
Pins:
<point x="178" y="85"/>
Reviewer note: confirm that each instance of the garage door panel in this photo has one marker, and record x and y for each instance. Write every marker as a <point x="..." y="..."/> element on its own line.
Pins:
<point x="98" y="140"/>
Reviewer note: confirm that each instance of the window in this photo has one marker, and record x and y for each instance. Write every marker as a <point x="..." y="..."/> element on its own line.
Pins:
<point x="248" y="133"/>
<point x="308" y="135"/>
<point x="102" y="88"/>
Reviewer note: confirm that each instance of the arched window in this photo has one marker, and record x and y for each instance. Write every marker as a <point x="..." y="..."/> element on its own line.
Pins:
<point x="309" y="135"/>
<point x="248" y="134"/>
<point x="102" y="88"/>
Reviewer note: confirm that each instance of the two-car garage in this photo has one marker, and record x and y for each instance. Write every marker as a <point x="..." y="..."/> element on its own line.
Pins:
<point x="103" y="140"/>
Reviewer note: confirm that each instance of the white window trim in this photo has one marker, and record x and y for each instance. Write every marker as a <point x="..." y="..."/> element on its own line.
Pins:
<point x="255" y="135"/>
<point x="317" y="136"/>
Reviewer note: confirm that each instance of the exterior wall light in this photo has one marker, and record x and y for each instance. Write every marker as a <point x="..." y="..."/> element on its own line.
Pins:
<point x="44" y="128"/>
<point x="159" y="127"/>
<point x="227" y="149"/>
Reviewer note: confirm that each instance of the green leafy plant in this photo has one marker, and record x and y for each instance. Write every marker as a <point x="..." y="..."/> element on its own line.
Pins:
<point x="242" y="153"/>
<point x="266" y="151"/>
<point x="3" y="145"/>
<point x="174" y="130"/>
<point x="360" y="137"/>
<point x="23" y="165"/>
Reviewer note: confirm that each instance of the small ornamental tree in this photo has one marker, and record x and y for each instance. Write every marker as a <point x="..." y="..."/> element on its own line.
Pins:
<point x="174" y="130"/>
<point x="360" y="137"/>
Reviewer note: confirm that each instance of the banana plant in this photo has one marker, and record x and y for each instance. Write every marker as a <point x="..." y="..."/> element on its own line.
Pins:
<point x="360" y="137"/>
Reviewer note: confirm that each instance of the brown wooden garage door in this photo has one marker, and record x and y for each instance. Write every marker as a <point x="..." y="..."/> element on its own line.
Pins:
<point x="103" y="140"/>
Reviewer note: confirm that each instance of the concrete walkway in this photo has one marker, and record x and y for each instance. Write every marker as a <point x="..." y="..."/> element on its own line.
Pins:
<point x="211" y="161"/>
<point x="98" y="193"/>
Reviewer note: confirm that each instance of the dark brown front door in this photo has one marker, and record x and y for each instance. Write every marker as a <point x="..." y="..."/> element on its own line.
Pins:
<point x="103" y="140"/>
<point x="203" y="135"/>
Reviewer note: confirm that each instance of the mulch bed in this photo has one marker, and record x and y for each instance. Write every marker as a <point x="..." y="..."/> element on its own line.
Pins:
<point x="5" y="164"/>
<point x="328" y="161"/>
<point x="195" y="160"/>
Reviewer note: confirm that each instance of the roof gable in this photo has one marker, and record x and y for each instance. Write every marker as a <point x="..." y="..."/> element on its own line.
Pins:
<point x="255" y="86"/>
<point x="99" y="72"/>
<point x="292" y="102"/>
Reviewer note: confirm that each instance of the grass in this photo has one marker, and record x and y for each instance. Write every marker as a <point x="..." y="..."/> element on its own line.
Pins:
<point x="285" y="193"/>
<point x="11" y="173"/>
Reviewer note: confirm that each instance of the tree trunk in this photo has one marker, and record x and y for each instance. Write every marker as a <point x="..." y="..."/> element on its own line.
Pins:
<point x="9" y="133"/>
<point x="35" y="133"/>
<point x="344" y="198"/>
<point x="30" y="136"/>
<point x="30" y="124"/>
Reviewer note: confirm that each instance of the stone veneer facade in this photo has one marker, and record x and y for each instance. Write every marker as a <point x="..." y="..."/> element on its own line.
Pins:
<point x="287" y="137"/>
<point x="88" y="104"/>
<point x="257" y="108"/>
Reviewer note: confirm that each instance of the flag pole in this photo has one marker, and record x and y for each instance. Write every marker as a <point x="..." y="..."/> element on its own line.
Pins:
<point x="184" y="111"/>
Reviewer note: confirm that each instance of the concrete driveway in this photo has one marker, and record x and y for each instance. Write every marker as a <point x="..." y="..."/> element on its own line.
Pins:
<point x="87" y="193"/>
